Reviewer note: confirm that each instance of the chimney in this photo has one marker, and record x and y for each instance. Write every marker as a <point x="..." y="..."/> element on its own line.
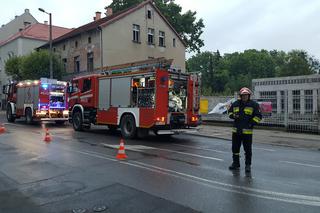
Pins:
<point x="109" y="11"/>
<point x="26" y="10"/>
<point x="46" y="22"/>
<point x="98" y="16"/>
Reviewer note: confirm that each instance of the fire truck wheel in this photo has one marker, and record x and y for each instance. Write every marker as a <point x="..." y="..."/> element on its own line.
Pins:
<point x="77" y="122"/>
<point x="128" y="127"/>
<point x="29" y="118"/>
<point x="10" y="117"/>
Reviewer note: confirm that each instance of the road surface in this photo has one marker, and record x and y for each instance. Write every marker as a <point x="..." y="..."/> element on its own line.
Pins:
<point x="78" y="172"/>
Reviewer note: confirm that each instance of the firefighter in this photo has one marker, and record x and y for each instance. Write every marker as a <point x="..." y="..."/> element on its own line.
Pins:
<point x="245" y="113"/>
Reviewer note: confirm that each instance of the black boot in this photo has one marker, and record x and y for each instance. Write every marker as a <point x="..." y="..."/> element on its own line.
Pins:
<point x="248" y="169"/>
<point x="234" y="167"/>
<point x="236" y="162"/>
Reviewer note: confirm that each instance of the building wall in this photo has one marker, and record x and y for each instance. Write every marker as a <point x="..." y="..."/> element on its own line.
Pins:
<point x="277" y="89"/>
<point x="118" y="45"/>
<point x="13" y="26"/>
<point x="68" y="50"/>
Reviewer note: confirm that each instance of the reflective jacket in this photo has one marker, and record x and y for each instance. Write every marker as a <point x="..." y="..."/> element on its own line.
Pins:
<point x="245" y="115"/>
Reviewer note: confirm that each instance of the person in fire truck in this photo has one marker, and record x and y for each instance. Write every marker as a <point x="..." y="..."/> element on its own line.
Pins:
<point x="245" y="113"/>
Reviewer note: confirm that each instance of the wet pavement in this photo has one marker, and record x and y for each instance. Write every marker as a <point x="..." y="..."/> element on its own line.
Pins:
<point x="78" y="172"/>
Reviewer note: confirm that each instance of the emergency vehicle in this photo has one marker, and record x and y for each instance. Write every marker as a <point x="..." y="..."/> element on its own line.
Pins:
<point x="137" y="97"/>
<point x="37" y="100"/>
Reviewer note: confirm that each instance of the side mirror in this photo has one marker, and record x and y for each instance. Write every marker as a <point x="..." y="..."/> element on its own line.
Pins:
<point x="69" y="89"/>
<point x="5" y="89"/>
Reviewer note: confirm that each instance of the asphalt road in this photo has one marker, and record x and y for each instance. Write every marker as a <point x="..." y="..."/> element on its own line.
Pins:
<point x="78" y="172"/>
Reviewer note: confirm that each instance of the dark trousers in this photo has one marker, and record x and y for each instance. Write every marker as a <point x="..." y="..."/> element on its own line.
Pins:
<point x="246" y="141"/>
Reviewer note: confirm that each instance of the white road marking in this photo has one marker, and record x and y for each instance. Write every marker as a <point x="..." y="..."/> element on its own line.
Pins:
<point x="271" y="195"/>
<point x="140" y="147"/>
<point x="264" y="149"/>
<point x="301" y="164"/>
<point x="200" y="148"/>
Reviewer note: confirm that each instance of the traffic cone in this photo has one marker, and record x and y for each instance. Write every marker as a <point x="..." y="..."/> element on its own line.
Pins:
<point x="47" y="137"/>
<point x="2" y="129"/>
<point x="121" y="152"/>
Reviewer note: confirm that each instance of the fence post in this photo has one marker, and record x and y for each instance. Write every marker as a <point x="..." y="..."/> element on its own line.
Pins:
<point x="286" y="109"/>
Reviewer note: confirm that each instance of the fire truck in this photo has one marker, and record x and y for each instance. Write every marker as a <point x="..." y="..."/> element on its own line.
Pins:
<point x="37" y="100"/>
<point x="137" y="97"/>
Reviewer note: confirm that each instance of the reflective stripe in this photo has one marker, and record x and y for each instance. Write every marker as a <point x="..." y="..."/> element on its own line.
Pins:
<point x="234" y="130"/>
<point x="248" y="110"/>
<point x="256" y="119"/>
<point x="230" y="113"/>
<point x="236" y="153"/>
<point x="236" y="109"/>
<point x="247" y="131"/>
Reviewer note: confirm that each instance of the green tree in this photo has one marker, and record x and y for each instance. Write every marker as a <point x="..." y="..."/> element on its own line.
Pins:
<point x="13" y="67"/>
<point x="186" y="24"/>
<point x="34" y="66"/>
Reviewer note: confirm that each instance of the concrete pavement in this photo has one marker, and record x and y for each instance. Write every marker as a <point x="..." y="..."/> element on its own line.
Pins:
<point x="266" y="136"/>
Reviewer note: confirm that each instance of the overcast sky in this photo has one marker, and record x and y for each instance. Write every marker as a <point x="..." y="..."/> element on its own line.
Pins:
<point x="231" y="25"/>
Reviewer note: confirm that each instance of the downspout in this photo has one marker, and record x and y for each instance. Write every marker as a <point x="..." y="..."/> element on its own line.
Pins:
<point x="101" y="49"/>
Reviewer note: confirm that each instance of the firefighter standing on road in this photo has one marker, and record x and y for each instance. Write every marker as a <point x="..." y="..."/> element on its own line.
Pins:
<point x="246" y="113"/>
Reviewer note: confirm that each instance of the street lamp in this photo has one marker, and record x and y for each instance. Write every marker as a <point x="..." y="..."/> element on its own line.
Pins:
<point x="50" y="40"/>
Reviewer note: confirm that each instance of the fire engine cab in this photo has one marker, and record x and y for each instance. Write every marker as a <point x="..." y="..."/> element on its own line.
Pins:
<point x="37" y="100"/>
<point x="136" y="97"/>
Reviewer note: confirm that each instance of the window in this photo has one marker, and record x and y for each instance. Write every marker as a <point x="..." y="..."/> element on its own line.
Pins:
<point x="136" y="33"/>
<point x="54" y="49"/>
<point x="308" y="101"/>
<point x="65" y="64"/>
<point x="90" y="62"/>
<point x="174" y="42"/>
<point x="64" y="47"/>
<point x="77" y="64"/>
<point x="149" y="14"/>
<point x="162" y="41"/>
<point x="150" y="36"/>
<point x="282" y="101"/>
<point x="296" y="101"/>
<point x="86" y="85"/>
<point x="76" y="44"/>
<point x="89" y="40"/>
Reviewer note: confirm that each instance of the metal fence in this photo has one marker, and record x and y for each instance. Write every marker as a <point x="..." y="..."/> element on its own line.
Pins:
<point x="294" y="112"/>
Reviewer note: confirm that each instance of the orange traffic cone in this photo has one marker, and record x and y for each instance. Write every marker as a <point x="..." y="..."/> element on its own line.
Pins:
<point x="47" y="137"/>
<point x="2" y="129"/>
<point x="121" y="152"/>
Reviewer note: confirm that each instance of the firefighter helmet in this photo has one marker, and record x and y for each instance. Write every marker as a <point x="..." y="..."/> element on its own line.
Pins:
<point x="245" y="91"/>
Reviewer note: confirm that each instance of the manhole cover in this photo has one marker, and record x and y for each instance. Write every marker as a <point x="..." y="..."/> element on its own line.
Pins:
<point x="99" y="208"/>
<point x="80" y="210"/>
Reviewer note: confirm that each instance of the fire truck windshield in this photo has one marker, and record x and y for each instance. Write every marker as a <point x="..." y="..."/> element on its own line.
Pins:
<point x="57" y="99"/>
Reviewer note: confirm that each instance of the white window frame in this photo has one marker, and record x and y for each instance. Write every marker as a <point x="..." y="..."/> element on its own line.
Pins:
<point x="162" y="36"/>
<point x="136" y="33"/>
<point x="151" y="33"/>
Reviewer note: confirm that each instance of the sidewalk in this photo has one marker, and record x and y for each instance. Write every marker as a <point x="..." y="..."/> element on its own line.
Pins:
<point x="274" y="137"/>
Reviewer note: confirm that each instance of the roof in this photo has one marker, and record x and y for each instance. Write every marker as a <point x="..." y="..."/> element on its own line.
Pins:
<point x="38" y="32"/>
<point x="103" y="22"/>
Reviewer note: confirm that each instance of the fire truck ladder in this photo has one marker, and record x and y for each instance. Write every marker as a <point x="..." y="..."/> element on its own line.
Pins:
<point x="137" y="66"/>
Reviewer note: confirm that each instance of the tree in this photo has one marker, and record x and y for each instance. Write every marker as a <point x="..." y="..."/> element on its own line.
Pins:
<point x="34" y="66"/>
<point x="296" y="62"/>
<point x="13" y="67"/>
<point x="186" y="24"/>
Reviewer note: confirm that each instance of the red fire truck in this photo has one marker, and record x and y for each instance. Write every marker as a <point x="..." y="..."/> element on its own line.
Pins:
<point x="38" y="100"/>
<point x="136" y="97"/>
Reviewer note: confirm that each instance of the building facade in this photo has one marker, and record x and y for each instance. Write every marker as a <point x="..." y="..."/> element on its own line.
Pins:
<point x="294" y="95"/>
<point x="136" y="34"/>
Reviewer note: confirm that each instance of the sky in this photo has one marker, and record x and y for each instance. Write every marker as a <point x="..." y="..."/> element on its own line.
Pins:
<point x="230" y="25"/>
